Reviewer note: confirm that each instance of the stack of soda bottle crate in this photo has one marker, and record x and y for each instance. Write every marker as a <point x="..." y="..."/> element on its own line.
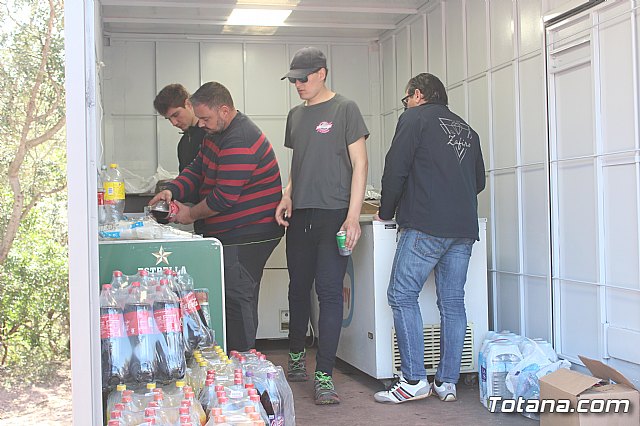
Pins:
<point x="161" y="365"/>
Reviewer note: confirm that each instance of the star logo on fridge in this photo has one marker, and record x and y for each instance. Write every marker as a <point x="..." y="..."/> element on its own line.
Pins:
<point x="162" y="256"/>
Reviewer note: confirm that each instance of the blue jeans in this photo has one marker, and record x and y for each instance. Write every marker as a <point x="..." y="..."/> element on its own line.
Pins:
<point x="416" y="256"/>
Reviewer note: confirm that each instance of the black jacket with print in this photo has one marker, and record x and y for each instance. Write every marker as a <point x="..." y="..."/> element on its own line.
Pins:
<point x="433" y="173"/>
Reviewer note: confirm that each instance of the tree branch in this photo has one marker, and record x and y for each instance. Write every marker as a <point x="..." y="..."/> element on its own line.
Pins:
<point x="59" y="99"/>
<point x="37" y="197"/>
<point x="25" y="144"/>
<point x="47" y="135"/>
<point x="5" y="352"/>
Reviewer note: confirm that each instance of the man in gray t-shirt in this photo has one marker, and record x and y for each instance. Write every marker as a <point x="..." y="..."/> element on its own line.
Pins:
<point x="324" y="195"/>
<point x="320" y="136"/>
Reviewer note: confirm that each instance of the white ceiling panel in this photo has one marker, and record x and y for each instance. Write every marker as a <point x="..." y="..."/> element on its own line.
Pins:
<point x="309" y="18"/>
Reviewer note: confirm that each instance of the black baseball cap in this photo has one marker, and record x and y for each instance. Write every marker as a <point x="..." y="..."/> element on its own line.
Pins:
<point x="306" y="61"/>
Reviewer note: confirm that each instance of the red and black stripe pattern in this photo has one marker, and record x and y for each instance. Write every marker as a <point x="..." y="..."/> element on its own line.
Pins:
<point x="237" y="173"/>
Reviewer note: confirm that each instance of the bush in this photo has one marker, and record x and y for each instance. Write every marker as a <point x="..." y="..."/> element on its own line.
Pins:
<point x="34" y="297"/>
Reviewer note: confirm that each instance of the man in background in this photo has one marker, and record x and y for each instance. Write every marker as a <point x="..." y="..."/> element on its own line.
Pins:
<point x="236" y="180"/>
<point x="172" y="102"/>
<point x="432" y="175"/>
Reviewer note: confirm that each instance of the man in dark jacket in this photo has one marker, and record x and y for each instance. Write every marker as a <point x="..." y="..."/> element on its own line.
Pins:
<point x="432" y="175"/>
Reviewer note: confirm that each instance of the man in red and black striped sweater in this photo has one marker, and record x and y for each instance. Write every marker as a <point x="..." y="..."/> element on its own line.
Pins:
<point x="237" y="180"/>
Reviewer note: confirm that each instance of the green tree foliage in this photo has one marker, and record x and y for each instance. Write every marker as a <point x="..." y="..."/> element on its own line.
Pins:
<point x="33" y="249"/>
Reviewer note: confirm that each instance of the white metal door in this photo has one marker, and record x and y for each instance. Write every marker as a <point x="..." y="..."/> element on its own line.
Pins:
<point x="594" y="164"/>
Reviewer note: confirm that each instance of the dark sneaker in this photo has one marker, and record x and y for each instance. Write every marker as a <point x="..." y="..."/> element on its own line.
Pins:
<point x="446" y="392"/>
<point x="403" y="391"/>
<point x="325" y="391"/>
<point x="297" y="367"/>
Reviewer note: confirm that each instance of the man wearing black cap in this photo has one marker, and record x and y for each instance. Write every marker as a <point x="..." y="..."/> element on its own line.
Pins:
<point x="324" y="195"/>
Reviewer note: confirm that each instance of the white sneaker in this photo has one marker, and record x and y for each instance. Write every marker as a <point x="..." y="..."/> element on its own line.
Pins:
<point x="446" y="392"/>
<point x="402" y="391"/>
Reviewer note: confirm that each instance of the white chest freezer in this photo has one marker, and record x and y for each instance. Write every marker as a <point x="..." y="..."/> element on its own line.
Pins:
<point x="368" y="337"/>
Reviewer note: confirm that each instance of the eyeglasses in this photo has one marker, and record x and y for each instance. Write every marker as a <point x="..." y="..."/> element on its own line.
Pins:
<point x="303" y="79"/>
<point x="405" y="101"/>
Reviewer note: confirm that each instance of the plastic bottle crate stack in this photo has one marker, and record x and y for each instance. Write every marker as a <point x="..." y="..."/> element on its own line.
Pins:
<point x="150" y="325"/>
<point x="245" y="389"/>
<point x="510" y="366"/>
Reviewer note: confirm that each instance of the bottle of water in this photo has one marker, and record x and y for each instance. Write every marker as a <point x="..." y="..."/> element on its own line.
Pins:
<point x="482" y="365"/>
<point x="272" y="402"/>
<point x="114" y="397"/>
<point x="286" y="396"/>
<point x="174" y="393"/>
<point x="113" y="194"/>
<point x="547" y="349"/>
<point x="207" y="396"/>
<point x="503" y="363"/>
<point x="196" y="407"/>
<point x="254" y="401"/>
<point x="500" y="355"/>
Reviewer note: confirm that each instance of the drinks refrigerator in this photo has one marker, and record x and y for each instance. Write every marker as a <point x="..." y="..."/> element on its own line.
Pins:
<point x="199" y="257"/>
<point x="368" y="340"/>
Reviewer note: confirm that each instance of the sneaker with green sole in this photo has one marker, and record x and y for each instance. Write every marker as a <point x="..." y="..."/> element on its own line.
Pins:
<point x="325" y="390"/>
<point x="297" y="367"/>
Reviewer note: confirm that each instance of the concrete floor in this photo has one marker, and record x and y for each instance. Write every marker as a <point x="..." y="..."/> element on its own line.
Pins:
<point x="356" y="390"/>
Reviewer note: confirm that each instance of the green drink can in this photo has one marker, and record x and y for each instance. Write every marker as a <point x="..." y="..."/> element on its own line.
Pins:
<point x="341" y="239"/>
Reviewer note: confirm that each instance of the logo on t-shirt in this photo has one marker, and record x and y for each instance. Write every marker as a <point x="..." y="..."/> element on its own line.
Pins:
<point x="324" y="127"/>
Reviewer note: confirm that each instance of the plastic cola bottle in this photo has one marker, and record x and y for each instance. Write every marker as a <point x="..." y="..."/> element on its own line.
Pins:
<point x="115" y="347"/>
<point x="140" y="326"/>
<point x="166" y="312"/>
<point x="196" y="333"/>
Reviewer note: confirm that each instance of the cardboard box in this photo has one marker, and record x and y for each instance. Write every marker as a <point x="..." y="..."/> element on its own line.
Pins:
<point x="573" y="386"/>
<point x="370" y="207"/>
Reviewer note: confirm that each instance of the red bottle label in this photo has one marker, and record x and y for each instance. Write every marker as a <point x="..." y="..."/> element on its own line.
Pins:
<point x="168" y="320"/>
<point x="173" y="209"/>
<point x="138" y="322"/>
<point x="189" y="303"/>
<point x="111" y="326"/>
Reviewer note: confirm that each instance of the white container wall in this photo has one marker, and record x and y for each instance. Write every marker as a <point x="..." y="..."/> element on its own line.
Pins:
<point x="490" y="56"/>
<point x="136" y="70"/>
